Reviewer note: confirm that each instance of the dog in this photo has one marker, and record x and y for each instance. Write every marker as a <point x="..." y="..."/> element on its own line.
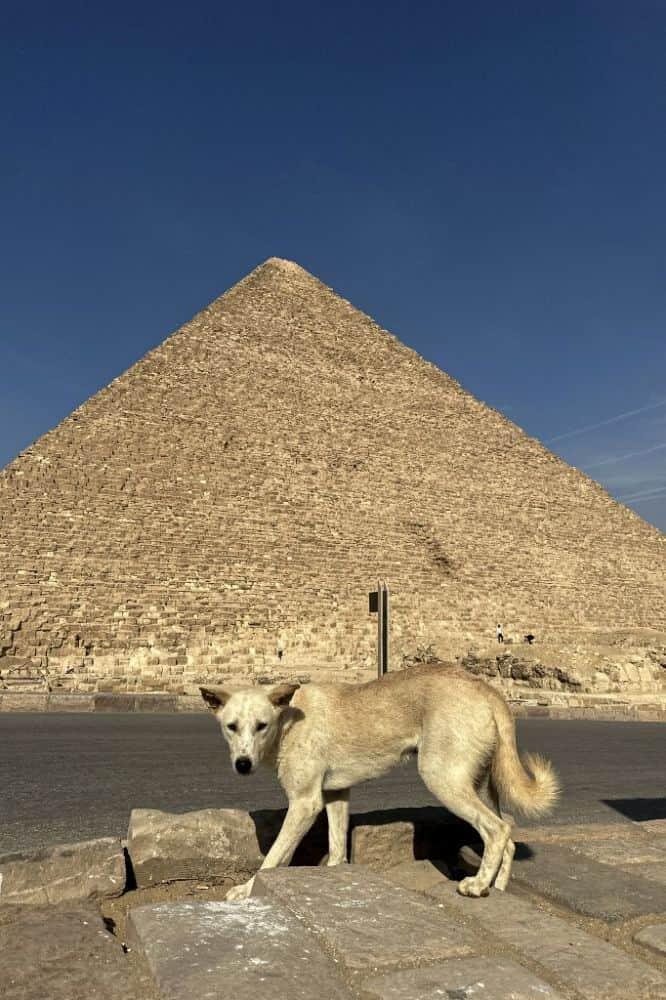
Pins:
<point x="324" y="738"/>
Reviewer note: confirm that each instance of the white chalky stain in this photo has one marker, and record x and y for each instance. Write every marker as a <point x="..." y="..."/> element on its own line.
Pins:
<point x="252" y="916"/>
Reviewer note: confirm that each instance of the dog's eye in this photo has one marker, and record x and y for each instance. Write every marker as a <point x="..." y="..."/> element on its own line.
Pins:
<point x="261" y="725"/>
<point x="232" y="726"/>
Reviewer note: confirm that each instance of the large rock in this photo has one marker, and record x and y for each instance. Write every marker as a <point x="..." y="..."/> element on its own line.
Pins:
<point x="252" y="950"/>
<point x="573" y="958"/>
<point x="459" y="979"/>
<point x="653" y="937"/>
<point x="93" y="869"/>
<point x="384" y="846"/>
<point x="64" y="952"/>
<point x="212" y="845"/>
<point x="590" y="887"/>
<point x="385" y="838"/>
<point x="363" y="921"/>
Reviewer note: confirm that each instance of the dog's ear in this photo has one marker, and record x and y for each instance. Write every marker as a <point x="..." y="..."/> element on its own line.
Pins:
<point x="215" y="698"/>
<point x="281" y="694"/>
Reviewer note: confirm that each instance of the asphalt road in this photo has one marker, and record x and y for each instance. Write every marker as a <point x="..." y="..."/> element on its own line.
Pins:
<point x="72" y="777"/>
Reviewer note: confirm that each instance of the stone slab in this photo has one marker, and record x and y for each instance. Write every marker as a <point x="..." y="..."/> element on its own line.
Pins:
<point x="249" y="950"/>
<point x="632" y="859"/>
<point x="28" y="702"/>
<point x="621" y="851"/>
<point x="382" y="846"/>
<point x="92" y="869"/>
<point x="461" y="979"/>
<point x="653" y="937"/>
<point x="417" y="875"/>
<point x="654" y="872"/>
<point x="70" y="702"/>
<point x="64" y="952"/>
<point x="385" y="838"/>
<point x="587" y="886"/>
<point x="208" y="844"/>
<point x="114" y="702"/>
<point x="363" y="920"/>
<point x="576" y="832"/>
<point x="156" y="703"/>
<point x="566" y="955"/>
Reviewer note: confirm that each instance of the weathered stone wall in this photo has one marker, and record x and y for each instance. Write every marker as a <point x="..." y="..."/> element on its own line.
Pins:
<point x="248" y="481"/>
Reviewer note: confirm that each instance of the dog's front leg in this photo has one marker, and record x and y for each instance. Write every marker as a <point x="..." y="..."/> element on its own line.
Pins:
<point x="301" y="814"/>
<point x="337" y="811"/>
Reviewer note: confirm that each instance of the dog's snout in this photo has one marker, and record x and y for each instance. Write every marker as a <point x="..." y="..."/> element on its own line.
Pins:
<point x="243" y="765"/>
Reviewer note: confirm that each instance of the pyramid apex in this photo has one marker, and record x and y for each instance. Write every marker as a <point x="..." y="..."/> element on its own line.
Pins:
<point x="283" y="264"/>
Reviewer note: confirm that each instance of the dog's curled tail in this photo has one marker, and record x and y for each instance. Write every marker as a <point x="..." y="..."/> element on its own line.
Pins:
<point x="529" y="784"/>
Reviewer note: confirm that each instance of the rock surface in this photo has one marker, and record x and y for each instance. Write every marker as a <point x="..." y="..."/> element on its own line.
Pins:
<point x="252" y="950"/>
<point x="653" y="937"/>
<point x="64" y="952"/>
<point x="91" y="869"/>
<point x="349" y="909"/>
<point x="208" y="844"/>
<point x="568" y="955"/>
<point x="461" y="979"/>
<point x="590" y="887"/>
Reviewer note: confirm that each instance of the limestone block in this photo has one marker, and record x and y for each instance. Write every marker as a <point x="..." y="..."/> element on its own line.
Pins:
<point x="588" y="966"/>
<point x="28" y="702"/>
<point x="461" y="978"/>
<point x="386" y="841"/>
<point x="92" y="869"/>
<point x="588" y="886"/>
<point x="252" y="950"/>
<point x="350" y="910"/>
<point x="209" y="844"/>
<point x="653" y="937"/>
<point x="382" y="846"/>
<point x="64" y="952"/>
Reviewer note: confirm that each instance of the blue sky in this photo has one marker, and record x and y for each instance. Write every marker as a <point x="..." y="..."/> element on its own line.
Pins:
<point x="485" y="179"/>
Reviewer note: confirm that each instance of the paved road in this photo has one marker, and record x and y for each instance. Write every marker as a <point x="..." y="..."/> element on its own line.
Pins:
<point x="71" y="777"/>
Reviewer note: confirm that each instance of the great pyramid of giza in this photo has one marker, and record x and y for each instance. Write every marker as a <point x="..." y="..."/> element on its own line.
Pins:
<point x="244" y="485"/>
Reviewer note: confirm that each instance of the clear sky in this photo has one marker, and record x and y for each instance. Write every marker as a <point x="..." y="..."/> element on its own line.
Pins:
<point x="487" y="180"/>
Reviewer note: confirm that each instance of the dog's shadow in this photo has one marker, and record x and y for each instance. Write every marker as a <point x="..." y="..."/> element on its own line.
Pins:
<point x="437" y="836"/>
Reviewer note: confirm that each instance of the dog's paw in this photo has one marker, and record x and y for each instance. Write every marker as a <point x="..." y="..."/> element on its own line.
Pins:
<point x="239" y="892"/>
<point x="472" y="887"/>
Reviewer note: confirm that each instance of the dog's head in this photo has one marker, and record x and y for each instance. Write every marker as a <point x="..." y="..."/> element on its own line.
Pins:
<point x="249" y="719"/>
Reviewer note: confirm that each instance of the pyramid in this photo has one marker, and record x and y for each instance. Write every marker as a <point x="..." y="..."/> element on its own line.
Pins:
<point x="222" y="509"/>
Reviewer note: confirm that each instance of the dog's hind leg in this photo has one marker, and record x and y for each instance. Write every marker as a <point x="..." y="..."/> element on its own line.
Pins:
<point x="488" y="793"/>
<point x="455" y="790"/>
<point x="337" y="811"/>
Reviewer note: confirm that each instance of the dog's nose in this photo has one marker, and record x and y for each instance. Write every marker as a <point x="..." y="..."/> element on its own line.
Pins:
<point x="243" y="765"/>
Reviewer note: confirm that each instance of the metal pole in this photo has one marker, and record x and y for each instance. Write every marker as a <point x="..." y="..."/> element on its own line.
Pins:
<point x="380" y="629"/>
<point x="386" y="622"/>
<point x="380" y="604"/>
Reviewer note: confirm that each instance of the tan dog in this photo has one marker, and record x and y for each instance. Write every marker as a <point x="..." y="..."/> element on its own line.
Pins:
<point x="324" y="738"/>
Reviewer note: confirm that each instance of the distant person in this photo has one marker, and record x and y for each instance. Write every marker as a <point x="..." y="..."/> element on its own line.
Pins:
<point x="280" y="648"/>
<point x="500" y="634"/>
<point x="529" y="638"/>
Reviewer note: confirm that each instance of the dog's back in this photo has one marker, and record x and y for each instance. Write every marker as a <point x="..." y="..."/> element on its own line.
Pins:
<point x="363" y="730"/>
